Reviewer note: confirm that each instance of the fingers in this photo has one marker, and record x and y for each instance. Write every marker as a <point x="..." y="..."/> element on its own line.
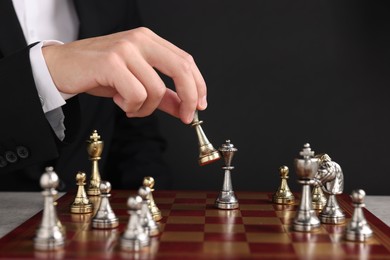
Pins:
<point x="180" y="66"/>
<point x="170" y="103"/>
<point x="185" y="87"/>
<point x="181" y="104"/>
<point x="187" y="79"/>
<point x="140" y="90"/>
<point x="129" y="99"/>
<point x="123" y="65"/>
<point x="197" y="76"/>
<point x="150" y="80"/>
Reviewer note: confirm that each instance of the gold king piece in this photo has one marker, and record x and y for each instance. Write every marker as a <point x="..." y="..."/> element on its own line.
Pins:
<point x="207" y="153"/>
<point x="95" y="149"/>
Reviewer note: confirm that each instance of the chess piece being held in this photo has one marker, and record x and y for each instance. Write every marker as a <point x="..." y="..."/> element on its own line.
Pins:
<point x="331" y="179"/>
<point x="81" y="203"/>
<point x="358" y="229"/>
<point x="207" y="153"/>
<point x="50" y="234"/>
<point x="105" y="217"/>
<point x="95" y="149"/>
<point x="156" y="213"/>
<point x="283" y="195"/>
<point x="306" y="219"/>
<point x="226" y="198"/>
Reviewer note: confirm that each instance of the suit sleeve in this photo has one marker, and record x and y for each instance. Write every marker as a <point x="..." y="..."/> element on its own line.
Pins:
<point x="26" y="137"/>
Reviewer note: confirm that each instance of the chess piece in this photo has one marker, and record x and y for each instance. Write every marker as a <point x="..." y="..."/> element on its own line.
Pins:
<point x="318" y="198"/>
<point x="226" y="198"/>
<point x="95" y="200"/>
<point x="305" y="218"/>
<point x="156" y="213"/>
<point x="358" y="229"/>
<point x="135" y="237"/>
<point x="283" y="195"/>
<point x="95" y="149"/>
<point x="207" y="153"/>
<point x="81" y="203"/>
<point x="331" y="179"/>
<point x="50" y="234"/>
<point x="105" y="216"/>
<point x="146" y="216"/>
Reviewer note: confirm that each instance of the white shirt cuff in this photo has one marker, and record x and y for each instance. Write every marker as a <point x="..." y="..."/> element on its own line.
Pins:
<point x="50" y="97"/>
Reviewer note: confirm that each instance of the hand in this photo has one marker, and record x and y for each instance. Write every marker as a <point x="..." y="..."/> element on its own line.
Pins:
<point x="122" y="66"/>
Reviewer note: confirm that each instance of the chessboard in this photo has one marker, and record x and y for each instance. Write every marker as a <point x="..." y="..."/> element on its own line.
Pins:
<point x="192" y="228"/>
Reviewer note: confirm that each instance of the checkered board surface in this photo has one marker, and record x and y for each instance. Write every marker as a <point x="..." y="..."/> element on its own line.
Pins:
<point x="192" y="228"/>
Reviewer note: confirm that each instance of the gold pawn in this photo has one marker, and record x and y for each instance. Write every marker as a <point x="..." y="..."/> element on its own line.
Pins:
<point x="283" y="195"/>
<point x="318" y="198"/>
<point x="81" y="203"/>
<point x="207" y="152"/>
<point x="156" y="213"/>
<point x="95" y="149"/>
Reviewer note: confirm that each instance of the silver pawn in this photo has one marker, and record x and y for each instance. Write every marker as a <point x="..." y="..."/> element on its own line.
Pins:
<point x="50" y="234"/>
<point x="146" y="215"/>
<point x="105" y="216"/>
<point x="306" y="219"/>
<point x="226" y="198"/>
<point x="135" y="236"/>
<point x="358" y="229"/>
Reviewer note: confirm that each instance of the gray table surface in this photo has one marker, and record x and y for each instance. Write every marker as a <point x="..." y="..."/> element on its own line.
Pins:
<point x="17" y="207"/>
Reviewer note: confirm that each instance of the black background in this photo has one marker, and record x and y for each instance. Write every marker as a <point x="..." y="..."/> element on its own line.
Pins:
<point x="280" y="74"/>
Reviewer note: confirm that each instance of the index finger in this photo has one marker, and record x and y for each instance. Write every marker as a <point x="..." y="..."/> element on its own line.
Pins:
<point x="199" y="80"/>
<point x="181" y="72"/>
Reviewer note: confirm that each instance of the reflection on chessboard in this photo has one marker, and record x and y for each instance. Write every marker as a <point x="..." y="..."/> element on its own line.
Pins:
<point x="192" y="227"/>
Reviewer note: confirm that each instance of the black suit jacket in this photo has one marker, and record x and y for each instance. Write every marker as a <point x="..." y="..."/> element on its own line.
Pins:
<point x="133" y="147"/>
